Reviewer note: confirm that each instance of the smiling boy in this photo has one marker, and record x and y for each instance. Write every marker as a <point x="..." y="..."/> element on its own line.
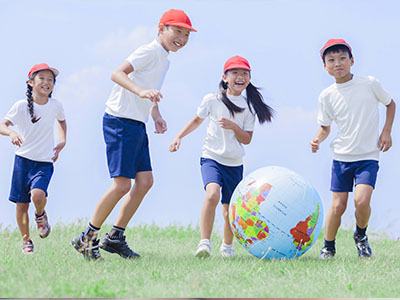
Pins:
<point x="136" y="94"/>
<point x="352" y="103"/>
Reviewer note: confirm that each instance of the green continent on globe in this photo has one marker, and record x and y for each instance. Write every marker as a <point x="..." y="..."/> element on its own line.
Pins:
<point x="303" y="233"/>
<point x="244" y="215"/>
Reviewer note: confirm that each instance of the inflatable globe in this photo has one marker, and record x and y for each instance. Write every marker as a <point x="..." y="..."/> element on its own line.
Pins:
<point x="275" y="213"/>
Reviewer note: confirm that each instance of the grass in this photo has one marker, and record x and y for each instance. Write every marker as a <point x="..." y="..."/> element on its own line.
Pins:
<point x="168" y="269"/>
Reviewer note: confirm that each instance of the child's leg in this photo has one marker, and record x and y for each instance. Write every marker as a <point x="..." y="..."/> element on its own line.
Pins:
<point x="39" y="199"/>
<point x="228" y="234"/>
<point x="23" y="220"/>
<point x="107" y="202"/>
<point x="334" y="216"/>
<point x="362" y="199"/>
<point x="207" y="215"/>
<point x="143" y="183"/>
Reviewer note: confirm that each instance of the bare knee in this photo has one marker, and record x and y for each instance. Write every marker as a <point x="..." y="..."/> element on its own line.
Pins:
<point x="225" y="213"/>
<point x="22" y="207"/>
<point x="38" y="196"/>
<point x="144" y="183"/>
<point x="338" y="209"/>
<point x="212" y="197"/>
<point x="361" y="204"/>
<point x="122" y="186"/>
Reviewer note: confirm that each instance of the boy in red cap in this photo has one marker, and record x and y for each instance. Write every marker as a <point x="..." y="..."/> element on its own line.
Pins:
<point x="33" y="121"/>
<point x="232" y="117"/>
<point x="352" y="103"/>
<point x="134" y="96"/>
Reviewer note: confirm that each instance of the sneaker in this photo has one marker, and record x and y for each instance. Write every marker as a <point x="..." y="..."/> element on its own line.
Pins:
<point x="327" y="253"/>
<point x="27" y="247"/>
<point x="364" y="250"/>
<point x="203" y="249"/>
<point x="88" y="247"/>
<point x="227" y="251"/>
<point x="118" y="245"/>
<point x="43" y="225"/>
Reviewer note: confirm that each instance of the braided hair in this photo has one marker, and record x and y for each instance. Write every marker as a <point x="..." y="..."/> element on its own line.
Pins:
<point x="29" y="98"/>
<point x="255" y="102"/>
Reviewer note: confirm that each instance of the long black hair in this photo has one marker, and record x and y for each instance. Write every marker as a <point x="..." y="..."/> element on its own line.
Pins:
<point x="254" y="99"/>
<point x="29" y="98"/>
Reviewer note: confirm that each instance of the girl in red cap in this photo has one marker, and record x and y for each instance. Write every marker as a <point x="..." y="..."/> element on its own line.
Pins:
<point x="34" y="119"/>
<point x="232" y="118"/>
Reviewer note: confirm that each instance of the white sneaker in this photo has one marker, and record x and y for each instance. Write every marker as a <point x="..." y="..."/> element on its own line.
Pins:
<point x="203" y="249"/>
<point x="227" y="251"/>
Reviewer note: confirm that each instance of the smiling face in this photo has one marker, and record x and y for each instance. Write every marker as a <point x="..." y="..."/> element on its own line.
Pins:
<point x="42" y="84"/>
<point x="237" y="80"/>
<point x="338" y="65"/>
<point x="173" y="38"/>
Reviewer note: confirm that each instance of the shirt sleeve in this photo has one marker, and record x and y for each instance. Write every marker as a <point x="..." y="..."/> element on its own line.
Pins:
<point x="380" y="93"/>
<point x="140" y="58"/>
<point x="14" y="115"/>
<point x="325" y="117"/>
<point x="203" y="111"/>
<point x="60" y="113"/>
<point x="249" y="121"/>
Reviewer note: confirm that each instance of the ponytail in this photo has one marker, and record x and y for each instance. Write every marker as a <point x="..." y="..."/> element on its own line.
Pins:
<point x="29" y="98"/>
<point x="223" y="86"/>
<point x="263" y="111"/>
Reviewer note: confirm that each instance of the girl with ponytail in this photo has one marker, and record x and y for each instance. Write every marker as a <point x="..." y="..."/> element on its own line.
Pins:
<point x="232" y="117"/>
<point x="34" y="119"/>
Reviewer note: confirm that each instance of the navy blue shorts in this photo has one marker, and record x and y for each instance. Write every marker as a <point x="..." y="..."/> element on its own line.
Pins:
<point x="227" y="177"/>
<point x="28" y="175"/>
<point x="127" y="146"/>
<point x="347" y="174"/>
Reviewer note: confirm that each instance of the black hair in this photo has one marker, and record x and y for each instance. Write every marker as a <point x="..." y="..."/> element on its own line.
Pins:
<point x="255" y="102"/>
<point x="336" y="49"/>
<point x="29" y="98"/>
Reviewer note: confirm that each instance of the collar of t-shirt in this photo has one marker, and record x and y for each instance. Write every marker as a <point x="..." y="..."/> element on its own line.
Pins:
<point x="163" y="52"/>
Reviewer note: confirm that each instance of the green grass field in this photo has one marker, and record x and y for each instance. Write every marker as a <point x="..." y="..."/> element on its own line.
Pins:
<point x="168" y="269"/>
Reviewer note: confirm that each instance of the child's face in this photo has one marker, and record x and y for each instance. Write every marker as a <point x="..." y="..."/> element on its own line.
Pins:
<point x="173" y="38"/>
<point x="237" y="80"/>
<point x="43" y="83"/>
<point x="338" y="65"/>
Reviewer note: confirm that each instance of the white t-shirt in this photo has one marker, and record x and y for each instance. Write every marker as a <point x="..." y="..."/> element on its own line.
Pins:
<point x="353" y="106"/>
<point x="38" y="138"/>
<point x="150" y="64"/>
<point x="221" y="144"/>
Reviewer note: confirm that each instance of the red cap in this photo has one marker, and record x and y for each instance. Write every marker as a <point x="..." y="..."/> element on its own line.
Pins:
<point x="334" y="42"/>
<point x="176" y="17"/>
<point x="41" y="67"/>
<point x="236" y="62"/>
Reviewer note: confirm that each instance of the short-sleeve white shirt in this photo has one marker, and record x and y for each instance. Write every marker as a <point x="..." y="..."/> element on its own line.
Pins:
<point x="221" y="144"/>
<point x="38" y="138"/>
<point x="150" y="64"/>
<point x="353" y="106"/>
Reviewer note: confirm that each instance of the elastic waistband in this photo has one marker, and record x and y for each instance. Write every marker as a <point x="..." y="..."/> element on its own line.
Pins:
<point x="129" y="121"/>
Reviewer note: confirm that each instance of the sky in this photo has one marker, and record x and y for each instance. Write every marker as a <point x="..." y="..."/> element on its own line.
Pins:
<point x="86" y="40"/>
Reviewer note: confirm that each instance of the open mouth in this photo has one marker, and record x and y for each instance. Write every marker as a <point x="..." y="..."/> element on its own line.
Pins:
<point x="178" y="44"/>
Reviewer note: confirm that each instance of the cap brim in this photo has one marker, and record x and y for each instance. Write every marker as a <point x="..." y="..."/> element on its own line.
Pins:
<point x="322" y="51"/>
<point x="184" y="25"/>
<point x="237" y="66"/>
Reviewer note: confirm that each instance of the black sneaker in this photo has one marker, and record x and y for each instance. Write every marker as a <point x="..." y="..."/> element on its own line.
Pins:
<point x="119" y="246"/>
<point x="364" y="250"/>
<point x="88" y="247"/>
<point x="327" y="253"/>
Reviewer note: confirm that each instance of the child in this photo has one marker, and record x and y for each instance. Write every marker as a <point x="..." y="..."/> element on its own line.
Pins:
<point x="34" y="119"/>
<point x="135" y="94"/>
<point x="352" y="103"/>
<point x="232" y="118"/>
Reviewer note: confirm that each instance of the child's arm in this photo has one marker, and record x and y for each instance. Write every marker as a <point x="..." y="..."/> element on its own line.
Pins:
<point x="62" y="133"/>
<point x="322" y="134"/>
<point x="120" y="76"/>
<point x="159" y="122"/>
<point x="16" y="139"/>
<point x="189" y="127"/>
<point x="385" y="139"/>
<point x="242" y="136"/>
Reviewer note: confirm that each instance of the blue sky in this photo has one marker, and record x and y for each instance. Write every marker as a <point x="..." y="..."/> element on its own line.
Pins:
<point x="87" y="40"/>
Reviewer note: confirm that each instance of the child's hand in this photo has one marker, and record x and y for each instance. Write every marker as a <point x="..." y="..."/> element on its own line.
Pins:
<point x="160" y="125"/>
<point x="175" y="145"/>
<point x="314" y="145"/>
<point x="226" y="123"/>
<point x="153" y="95"/>
<point x="385" y="141"/>
<point x="16" y="139"/>
<point x="57" y="150"/>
